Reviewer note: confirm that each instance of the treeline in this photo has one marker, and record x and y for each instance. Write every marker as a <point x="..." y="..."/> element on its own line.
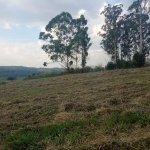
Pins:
<point x="123" y="36"/>
<point x="20" y="71"/>
<point x="127" y="37"/>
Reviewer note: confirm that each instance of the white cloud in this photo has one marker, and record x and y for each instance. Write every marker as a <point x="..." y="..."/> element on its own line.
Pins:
<point x="20" y="54"/>
<point x="37" y="13"/>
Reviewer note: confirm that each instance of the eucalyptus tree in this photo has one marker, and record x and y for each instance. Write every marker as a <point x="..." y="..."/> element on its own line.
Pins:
<point x="140" y="11"/>
<point x="127" y="39"/>
<point x="58" y="38"/>
<point x="110" y="37"/>
<point x="81" y="40"/>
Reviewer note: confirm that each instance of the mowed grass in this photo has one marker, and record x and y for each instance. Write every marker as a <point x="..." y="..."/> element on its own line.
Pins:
<point x="103" y="110"/>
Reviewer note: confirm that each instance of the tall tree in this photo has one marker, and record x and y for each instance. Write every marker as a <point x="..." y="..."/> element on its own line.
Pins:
<point x="112" y="15"/>
<point x="140" y="9"/>
<point x="81" y="39"/>
<point x="127" y="39"/>
<point x="59" y="35"/>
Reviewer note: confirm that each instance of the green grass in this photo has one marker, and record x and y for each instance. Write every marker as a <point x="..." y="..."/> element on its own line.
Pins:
<point x="60" y="133"/>
<point x="2" y="82"/>
<point x="126" y="120"/>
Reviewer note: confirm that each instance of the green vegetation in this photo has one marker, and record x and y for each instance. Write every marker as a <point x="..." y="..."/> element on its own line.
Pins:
<point x="128" y="33"/>
<point x="125" y="121"/>
<point x="11" y="78"/>
<point x="44" y="75"/>
<point x="67" y="40"/>
<point x="2" y="82"/>
<point x="20" y="71"/>
<point x="37" y="138"/>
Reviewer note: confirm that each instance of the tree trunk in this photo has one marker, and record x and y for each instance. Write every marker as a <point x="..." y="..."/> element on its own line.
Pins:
<point x="67" y="64"/>
<point x="115" y="61"/>
<point x="141" y="38"/>
<point x="82" y="61"/>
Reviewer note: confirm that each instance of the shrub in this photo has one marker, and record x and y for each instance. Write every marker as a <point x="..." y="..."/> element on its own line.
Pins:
<point x="33" y="74"/>
<point x="11" y="78"/>
<point x="87" y="69"/>
<point x="38" y="76"/>
<point x="98" y="68"/>
<point x="110" y="66"/>
<point x="138" y="59"/>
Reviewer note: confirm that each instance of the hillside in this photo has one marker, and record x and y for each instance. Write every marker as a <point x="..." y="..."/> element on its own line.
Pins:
<point x="20" y="71"/>
<point x="94" y="111"/>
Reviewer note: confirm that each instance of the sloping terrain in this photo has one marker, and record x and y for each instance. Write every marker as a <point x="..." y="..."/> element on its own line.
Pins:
<point x="93" y="111"/>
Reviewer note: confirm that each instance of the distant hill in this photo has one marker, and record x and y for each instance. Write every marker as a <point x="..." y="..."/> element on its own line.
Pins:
<point x="20" y="71"/>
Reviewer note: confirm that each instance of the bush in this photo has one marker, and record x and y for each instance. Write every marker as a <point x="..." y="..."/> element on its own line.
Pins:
<point x="38" y="76"/>
<point x="127" y="64"/>
<point x="122" y="64"/>
<point x="138" y="59"/>
<point x="11" y="78"/>
<point x="110" y="66"/>
<point x="98" y="68"/>
<point x="87" y="69"/>
<point x="33" y="74"/>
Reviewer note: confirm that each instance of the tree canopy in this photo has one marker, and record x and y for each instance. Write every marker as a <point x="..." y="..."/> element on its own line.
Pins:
<point x="129" y="33"/>
<point x="66" y="38"/>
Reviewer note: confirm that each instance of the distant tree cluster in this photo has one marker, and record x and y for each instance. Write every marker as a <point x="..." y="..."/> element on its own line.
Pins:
<point x="126" y="37"/>
<point x="129" y="33"/>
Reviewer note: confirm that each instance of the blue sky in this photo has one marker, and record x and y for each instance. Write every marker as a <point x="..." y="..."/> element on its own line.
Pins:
<point x="20" y="33"/>
<point x="21" y="21"/>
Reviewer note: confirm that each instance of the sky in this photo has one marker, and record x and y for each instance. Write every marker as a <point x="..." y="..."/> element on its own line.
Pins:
<point x="21" y="21"/>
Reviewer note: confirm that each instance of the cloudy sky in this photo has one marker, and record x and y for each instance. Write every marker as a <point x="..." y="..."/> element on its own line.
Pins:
<point x="21" y="21"/>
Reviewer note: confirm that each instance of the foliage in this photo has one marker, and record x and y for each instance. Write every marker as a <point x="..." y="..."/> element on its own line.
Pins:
<point x="128" y="64"/>
<point x="122" y="64"/>
<point x="66" y="38"/>
<point x="38" y="76"/>
<point x="129" y="33"/>
<point x="85" y="70"/>
<point x="59" y="36"/>
<point x="139" y="59"/>
<point x="11" y="78"/>
<point x="139" y="13"/>
<point x="110" y="66"/>
<point x="81" y="41"/>
<point x="110" y="28"/>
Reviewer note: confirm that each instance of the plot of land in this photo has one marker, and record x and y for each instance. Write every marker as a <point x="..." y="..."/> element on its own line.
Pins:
<point x="93" y="111"/>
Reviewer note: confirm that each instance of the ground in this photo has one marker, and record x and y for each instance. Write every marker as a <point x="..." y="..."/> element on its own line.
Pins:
<point x="90" y="111"/>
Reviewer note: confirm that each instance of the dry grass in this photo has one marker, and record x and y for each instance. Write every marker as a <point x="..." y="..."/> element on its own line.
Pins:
<point x="90" y="97"/>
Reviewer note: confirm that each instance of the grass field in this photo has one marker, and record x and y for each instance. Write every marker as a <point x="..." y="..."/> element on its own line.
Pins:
<point x="93" y="111"/>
